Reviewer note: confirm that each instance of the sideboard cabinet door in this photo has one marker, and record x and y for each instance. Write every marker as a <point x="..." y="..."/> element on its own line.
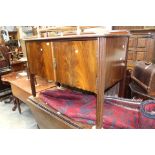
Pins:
<point x="40" y="58"/>
<point x="76" y="63"/>
<point x="62" y="53"/>
<point x="84" y="62"/>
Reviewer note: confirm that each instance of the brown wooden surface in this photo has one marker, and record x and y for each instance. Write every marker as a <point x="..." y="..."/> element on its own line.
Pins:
<point x="21" y="89"/>
<point x="23" y="82"/>
<point x="40" y="59"/>
<point x="48" y="117"/>
<point x="127" y="27"/>
<point x="84" y="63"/>
<point x="141" y="44"/>
<point x="101" y="76"/>
<point x="82" y="36"/>
<point x="115" y="60"/>
<point x="44" y="120"/>
<point x="63" y="58"/>
<point x="75" y="55"/>
<point x="141" y="47"/>
<point x="76" y="63"/>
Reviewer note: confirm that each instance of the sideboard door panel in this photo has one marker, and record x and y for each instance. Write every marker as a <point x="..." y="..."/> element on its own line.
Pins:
<point x="76" y="63"/>
<point x="48" y="60"/>
<point x="35" y="58"/>
<point x="62" y="52"/>
<point x="84" y="64"/>
<point x="40" y="59"/>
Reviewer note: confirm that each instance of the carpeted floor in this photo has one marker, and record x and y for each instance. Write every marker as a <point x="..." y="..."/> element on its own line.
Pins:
<point x="13" y="120"/>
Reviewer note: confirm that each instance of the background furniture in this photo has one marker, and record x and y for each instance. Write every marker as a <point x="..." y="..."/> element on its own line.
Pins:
<point x="141" y="44"/>
<point x="89" y="62"/>
<point x="143" y="79"/>
<point x="141" y="47"/>
<point x="21" y="89"/>
<point x="4" y="69"/>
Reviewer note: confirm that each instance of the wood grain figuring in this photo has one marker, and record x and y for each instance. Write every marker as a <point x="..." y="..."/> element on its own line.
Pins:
<point x="76" y="63"/>
<point x="40" y="59"/>
<point x="48" y="60"/>
<point x="62" y="54"/>
<point x="84" y="63"/>
<point x="34" y="57"/>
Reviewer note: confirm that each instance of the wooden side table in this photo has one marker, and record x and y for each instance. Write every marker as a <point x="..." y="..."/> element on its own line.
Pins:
<point x="21" y="89"/>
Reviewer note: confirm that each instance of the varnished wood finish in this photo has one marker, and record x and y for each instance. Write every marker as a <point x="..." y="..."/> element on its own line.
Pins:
<point x="84" y="65"/>
<point x="127" y="27"/>
<point x="141" y="47"/>
<point x="32" y="81"/>
<point x="76" y="63"/>
<point x="21" y="87"/>
<point x="62" y="54"/>
<point x="79" y="37"/>
<point x="48" y="117"/>
<point x="123" y="82"/>
<point x="141" y="44"/>
<point x="40" y="59"/>
<point x="115" y="60"/>
<point x="93" y="63"/>
<point x="101" y="70"/>
<point x="44" y="120"/>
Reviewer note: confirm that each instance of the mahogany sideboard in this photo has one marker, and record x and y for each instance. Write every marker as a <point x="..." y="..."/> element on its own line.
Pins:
<point x="89" y="62"/>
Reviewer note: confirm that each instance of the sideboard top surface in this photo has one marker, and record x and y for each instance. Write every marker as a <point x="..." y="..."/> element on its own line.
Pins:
<point x="115" y="33"/>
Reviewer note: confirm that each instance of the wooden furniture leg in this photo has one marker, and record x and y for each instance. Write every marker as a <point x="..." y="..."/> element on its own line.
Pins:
<point x="16" y="105"/>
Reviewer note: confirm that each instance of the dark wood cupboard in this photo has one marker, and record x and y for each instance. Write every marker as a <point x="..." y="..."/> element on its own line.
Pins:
<point x="89" y="62"/>
<point x="141" y="47"/>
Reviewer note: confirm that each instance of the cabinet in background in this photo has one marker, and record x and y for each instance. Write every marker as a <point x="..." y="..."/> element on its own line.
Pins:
<point x="141" y="47"/>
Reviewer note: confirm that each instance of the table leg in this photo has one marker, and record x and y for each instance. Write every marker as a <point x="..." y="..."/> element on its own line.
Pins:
<point x="16" y="104"/>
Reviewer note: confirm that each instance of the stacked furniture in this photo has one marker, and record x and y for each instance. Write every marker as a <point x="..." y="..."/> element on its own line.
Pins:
<point x="92" y="63"/>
